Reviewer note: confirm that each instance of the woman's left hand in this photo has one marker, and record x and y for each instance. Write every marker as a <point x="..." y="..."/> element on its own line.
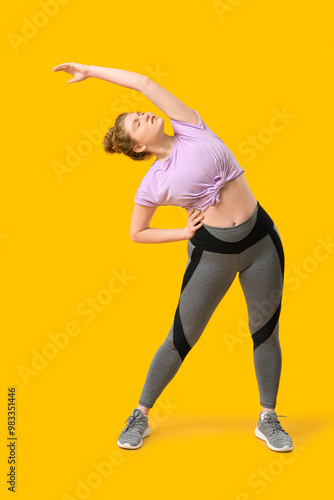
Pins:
<point x="80" y="71"/>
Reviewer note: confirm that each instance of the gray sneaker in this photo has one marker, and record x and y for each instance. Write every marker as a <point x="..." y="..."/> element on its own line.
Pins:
<point x="270" y="430"/>
<point x="136" y="429"/>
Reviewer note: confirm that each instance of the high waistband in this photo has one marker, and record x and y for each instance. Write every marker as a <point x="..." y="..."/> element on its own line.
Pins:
<point x="263" y="225"/>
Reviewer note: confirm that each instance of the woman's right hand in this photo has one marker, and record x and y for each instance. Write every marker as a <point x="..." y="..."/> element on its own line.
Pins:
<point x="193" y="219"/>
<point x="80" y="71"/>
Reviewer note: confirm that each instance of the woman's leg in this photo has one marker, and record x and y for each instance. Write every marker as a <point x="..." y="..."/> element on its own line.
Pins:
<point x="207" y="278"/>
<point x="261" y="279"/>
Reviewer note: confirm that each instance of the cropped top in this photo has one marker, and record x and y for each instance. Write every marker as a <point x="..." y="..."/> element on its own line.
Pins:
<point x="199" y="165"/>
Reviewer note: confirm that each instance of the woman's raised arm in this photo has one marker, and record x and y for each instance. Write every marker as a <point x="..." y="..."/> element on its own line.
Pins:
<point x="169" y="104"/>
<point x="121" y="77"/>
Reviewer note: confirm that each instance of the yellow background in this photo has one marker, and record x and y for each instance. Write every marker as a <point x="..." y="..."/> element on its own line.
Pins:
<point x="62" y="241"/>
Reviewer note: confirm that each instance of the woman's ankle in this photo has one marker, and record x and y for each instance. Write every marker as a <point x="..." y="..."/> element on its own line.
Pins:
<point x="144" y="409"/>
<point x="265" y="410"/>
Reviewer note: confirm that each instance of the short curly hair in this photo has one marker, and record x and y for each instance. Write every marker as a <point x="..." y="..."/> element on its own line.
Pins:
<point x="117" y="140"/>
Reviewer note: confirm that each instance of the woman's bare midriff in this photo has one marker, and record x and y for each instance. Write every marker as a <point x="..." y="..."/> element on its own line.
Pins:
<point x="237" y="203"/>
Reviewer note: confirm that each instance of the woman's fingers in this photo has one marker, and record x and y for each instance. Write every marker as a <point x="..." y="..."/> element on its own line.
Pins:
<point x="196" y="214"/>
<point x="199" y="217"/>
<point x="193" y="216"/>
<point x="58" y="68"/>
<point x="62" y="67"/>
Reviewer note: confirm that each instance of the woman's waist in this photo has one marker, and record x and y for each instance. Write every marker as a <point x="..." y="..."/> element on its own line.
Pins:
<point x="234" y="240"/>
<point x="236" y="204"/>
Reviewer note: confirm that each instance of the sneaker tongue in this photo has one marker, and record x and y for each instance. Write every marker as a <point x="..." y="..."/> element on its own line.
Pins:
<point x="271" y="413"/>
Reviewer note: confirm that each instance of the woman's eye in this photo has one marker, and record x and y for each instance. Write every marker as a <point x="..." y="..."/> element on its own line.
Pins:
<point x="138" y="122"/>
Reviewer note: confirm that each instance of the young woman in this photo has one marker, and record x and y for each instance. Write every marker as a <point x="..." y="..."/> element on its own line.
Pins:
<point x="228" y="232"/>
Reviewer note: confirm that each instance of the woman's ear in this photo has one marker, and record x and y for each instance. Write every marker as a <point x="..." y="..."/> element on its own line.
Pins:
<point x="139" y="148"/>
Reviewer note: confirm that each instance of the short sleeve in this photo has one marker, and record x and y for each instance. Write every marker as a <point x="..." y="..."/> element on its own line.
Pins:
<point x="142" y="197"/>
<point x="184" y="128"/>
<point x="141" y="201"/>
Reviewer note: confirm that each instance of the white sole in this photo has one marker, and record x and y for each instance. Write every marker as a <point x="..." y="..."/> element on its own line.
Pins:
<point x="128" y="446"/>
<point x="262" y="436"/>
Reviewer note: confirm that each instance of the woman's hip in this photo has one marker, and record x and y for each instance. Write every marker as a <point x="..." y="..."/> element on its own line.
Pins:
<point x="238" y="239"/>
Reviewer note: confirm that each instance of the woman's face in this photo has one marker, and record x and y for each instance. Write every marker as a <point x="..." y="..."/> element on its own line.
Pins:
<point x="144" y="128"/>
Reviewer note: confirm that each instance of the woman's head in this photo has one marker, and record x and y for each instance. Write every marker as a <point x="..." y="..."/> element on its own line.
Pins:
<point x="133" y="134"/>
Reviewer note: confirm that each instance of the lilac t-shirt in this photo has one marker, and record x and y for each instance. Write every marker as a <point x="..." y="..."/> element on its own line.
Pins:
<point x="199" y="165"/>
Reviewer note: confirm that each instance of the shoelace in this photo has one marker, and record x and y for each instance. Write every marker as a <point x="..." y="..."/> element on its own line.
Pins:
<point x="132" y="420"/>
<point x="275" y="422"/>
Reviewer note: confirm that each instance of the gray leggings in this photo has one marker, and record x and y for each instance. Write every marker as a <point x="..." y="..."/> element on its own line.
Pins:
<point x="215" y="255"/>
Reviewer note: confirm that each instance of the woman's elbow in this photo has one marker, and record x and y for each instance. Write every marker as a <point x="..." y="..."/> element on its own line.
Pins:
<point x="144" y="83"/>
<point x="135" y="237"/>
